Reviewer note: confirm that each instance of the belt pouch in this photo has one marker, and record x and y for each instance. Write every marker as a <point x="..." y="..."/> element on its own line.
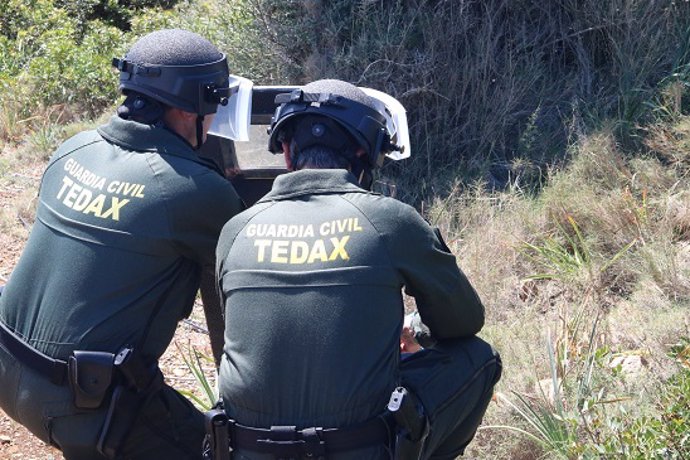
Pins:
<point x="90" y="375"/>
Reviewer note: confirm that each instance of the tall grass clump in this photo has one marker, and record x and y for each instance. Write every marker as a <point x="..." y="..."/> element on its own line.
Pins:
<point x="201" y="366"/>
<point x="494" y="88"/>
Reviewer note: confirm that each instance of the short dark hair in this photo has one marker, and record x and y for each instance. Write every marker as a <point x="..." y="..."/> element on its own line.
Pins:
<point x="317" y="157"/>
<point x="319" y="142"/>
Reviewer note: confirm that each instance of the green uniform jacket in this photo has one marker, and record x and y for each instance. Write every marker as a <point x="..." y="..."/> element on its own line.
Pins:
<point x="128" y="215"/>
<point x="311" y="278"/>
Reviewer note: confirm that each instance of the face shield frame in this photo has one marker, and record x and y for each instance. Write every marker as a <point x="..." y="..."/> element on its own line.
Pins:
<point x="396" y="125"/>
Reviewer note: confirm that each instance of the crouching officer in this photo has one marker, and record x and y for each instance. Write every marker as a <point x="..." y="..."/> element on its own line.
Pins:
<point x="311" y="278"/>
<point x="128" y="217"/>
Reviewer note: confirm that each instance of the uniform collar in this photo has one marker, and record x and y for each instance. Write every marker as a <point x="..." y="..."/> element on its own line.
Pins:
<point x="146" y="138"/>
<point x="312" y="181"/>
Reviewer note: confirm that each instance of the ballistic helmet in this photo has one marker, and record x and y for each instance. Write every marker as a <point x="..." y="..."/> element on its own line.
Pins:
<point x="177" y="68"/>
<point x="332" y="113"/>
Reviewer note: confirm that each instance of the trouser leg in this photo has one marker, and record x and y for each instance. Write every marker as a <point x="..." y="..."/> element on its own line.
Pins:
<point x="458" y="439"/>
<point x="76" y="435"/>
<point x="454" y="381"/>
<point x="169" y="427"/>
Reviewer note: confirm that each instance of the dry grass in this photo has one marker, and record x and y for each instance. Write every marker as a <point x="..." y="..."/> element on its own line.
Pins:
<point x="18" y="191"/>
<point x="594" y="267"/>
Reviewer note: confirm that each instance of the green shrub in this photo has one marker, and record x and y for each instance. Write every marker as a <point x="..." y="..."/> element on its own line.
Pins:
<point x="67" y="73"/>
<point x="59" y="52"/>
<point x="116" y="13"/>
<point x="50" y="63"/>
<point x="665" y="434"/>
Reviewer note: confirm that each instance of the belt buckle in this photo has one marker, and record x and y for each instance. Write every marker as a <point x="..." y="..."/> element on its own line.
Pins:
<point x="307" y="442"/>
<point x="315" y="446"/>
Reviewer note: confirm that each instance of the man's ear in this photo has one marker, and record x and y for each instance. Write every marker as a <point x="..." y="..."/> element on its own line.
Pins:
<point x="181" y="122"/>
<point x="188" y="115"/>
<point x="286" y="154"/>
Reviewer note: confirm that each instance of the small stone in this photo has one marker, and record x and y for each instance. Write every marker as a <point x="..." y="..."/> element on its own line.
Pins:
<point x="630" y="365"/>
<point x="545" y="389"/>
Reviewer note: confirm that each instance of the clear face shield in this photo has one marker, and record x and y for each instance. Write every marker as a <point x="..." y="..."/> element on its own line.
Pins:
<point x="233" y="119"/>
<point x="396" y="123"/>
<point x="245" y="121"/>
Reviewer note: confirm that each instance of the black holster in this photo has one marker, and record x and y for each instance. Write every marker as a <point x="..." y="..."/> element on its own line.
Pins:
<point x="217" y="440"/>
<point x="139" y="383"/>
<point x="90" y="374"/>
<point x="412" y="426"/>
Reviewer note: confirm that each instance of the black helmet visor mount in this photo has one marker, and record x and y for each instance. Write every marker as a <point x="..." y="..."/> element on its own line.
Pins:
<point x="197" y="88"/>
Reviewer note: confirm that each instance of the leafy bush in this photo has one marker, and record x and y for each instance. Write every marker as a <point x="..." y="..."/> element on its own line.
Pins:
<point x="58" y="53"/>
<point x="663" y="435"/>
<point x="48" y="62"/>
<point x="116" y="13"/>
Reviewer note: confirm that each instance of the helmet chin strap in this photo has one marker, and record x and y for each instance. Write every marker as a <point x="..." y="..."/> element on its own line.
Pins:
<point x="199" y="131"/>
<point x="362" y="171"/>
<point x="366" y="179"/>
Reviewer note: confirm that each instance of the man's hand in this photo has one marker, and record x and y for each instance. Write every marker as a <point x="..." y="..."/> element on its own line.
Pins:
<point x="408" y="344"/>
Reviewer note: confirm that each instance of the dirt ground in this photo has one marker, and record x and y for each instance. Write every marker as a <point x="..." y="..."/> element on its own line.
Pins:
<point x="16" y="442"/>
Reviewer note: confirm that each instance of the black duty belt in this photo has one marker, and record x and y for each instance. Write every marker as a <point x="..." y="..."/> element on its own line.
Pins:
<point x="287" y="441"/>
<point x="53" y="369"/>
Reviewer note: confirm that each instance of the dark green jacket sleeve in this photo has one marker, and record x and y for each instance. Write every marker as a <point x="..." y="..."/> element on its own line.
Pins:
<point x="196" y="223"/>
<point x="227" y="237"/>
<point x="447" y="302"/>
